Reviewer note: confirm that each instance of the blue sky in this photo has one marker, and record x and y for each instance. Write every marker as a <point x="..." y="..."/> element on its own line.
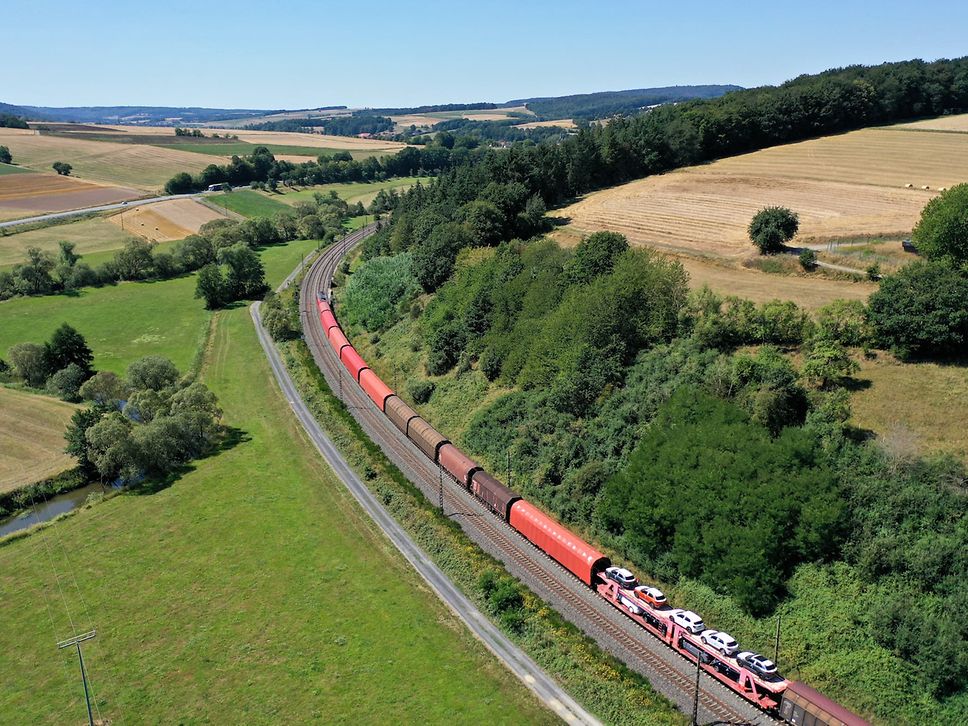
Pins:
<point x="288" y="54"/>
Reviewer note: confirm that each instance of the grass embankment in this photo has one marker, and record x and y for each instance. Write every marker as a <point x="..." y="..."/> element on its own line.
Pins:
<point x="923" y="406"/>
<point x="31" y="438"/>
<point x="248" y="203"/>
<point x="252" y="590"/>
<point x="597" y="680"/>
<point x="132" y="319"/>
<point x="11" y="169"/>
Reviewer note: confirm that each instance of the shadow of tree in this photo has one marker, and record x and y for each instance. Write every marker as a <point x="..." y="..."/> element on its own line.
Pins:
<point x="232" y="437"/>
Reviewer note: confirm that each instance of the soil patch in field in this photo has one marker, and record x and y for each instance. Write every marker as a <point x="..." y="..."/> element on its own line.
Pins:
<point x="25" y="195"/>
<point x="165" y="221"/>
<point x="31" y="438"/>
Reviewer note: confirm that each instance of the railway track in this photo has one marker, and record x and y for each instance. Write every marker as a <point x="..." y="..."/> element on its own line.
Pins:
<point x="669" y="672"/>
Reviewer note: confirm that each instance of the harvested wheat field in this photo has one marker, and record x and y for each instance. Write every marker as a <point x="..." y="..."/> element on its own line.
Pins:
<point x="956" y="124"/>
<point x="129" y="165"/>
<point x="31" y="438"/>
<point x="166" y="221"/>
<point x="89" y="235"/>
<point x="564" y="123"/>
<point x="26" y="195"/>
<point x="808" y="292"/>
<point x="841" y="186"/>
<point x="320" y="141"/>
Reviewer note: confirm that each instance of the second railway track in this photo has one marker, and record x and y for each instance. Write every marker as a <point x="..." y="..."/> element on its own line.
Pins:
<point x="670" y="673"/>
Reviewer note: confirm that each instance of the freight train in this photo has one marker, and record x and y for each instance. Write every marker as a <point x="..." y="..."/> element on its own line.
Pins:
<point x="795" y="703"/>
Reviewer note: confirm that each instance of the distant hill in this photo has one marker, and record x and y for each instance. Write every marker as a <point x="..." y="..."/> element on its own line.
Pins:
<point x="580" y="106"/>
<point x="608" y="103"/>
<point x="146" y="115"/>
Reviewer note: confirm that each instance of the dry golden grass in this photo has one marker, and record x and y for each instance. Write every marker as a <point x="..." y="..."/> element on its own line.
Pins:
<point x="564" y="123"/>
<point x="928" y="399"/>
<point x="705" y="210"/>
<point x="90" y="235"/>
<point x="165" y="221"/>
<point x="31" y="438"/>
<point x="320" y="141"/>
<point x="846" y="186"/>
<point x="128" y="165"/>
<point x="944" y="123"/>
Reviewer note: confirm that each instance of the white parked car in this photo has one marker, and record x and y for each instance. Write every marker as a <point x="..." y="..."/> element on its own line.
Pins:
<point x="760" y="665"/>
<point x="688" y="620"/>
<point x="623" y="577"/>
<point x="723" y="642"/>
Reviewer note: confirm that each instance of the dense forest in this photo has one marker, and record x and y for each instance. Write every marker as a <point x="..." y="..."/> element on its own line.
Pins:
<point x="703" y="439"/>
<point x="344" y="125"/>
<point x="589" y="106"/>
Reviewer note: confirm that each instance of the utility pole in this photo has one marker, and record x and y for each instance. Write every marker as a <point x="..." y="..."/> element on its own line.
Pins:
<point x="76" y="641"/>
<point x="776" y="643"/>
<point x="695" y="699"/>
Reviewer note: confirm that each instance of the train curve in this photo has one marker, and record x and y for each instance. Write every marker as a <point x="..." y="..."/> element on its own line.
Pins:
<point x="669" y="672"/>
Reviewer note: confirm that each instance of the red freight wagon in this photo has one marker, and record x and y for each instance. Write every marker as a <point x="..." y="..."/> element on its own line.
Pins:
<point x="377" y="390"/>
<point x="399" y="413"/>
<point x="577" y="556"/>
<point x="493" y="493"/>
<point x="804" y="705"/>
<point x="426" y="437"/>
<point x="459" y="464"/>
<point x="322" y="306"/>
<point x="353" y="361"/>
<point x="328" y="320"/>
<point x="337" y="340"/>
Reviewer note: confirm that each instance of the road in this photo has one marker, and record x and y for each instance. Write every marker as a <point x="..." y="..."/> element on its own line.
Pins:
<point x="670" y="673"/>
<point x="526" y="670"/>
<point x="104" y="208"/>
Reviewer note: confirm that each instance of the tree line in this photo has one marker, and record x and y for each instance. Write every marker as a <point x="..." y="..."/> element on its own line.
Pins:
<point x="224" y="248"/>
<point x="261" y="166"/>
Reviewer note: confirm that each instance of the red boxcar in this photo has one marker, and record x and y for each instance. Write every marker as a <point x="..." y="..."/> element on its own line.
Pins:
<point x="399" y="413"/>
<point x="426" y="437"/>
<point x="493" y="493"/>
<point x="328" y="320"/>
<point x="322" y="306"/>
<point x="459" y="464"/>
<point x="337" y="340"/>
<point x="376" y="389"/>
<point x="804" y="705"/>
<point x="576" y="555"/>
<point x="353" y="361"/>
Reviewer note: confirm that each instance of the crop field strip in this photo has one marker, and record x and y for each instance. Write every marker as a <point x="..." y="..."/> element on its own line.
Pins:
<point x="165" y="221"/>
<point x="31" y="437"/>
<point x="671" y="674"/>
<point x="26" y="195"/>
<point x="90" y="236"/>
<point x="140" y="166"/>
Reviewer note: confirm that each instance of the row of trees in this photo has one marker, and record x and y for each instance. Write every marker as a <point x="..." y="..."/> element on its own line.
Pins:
<point x="262" y="166"/>
<point x="44" y="273"/>
<point x="9" y="121"/>
<point x="343" y="125"/>
<point x="147" y="424"/>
